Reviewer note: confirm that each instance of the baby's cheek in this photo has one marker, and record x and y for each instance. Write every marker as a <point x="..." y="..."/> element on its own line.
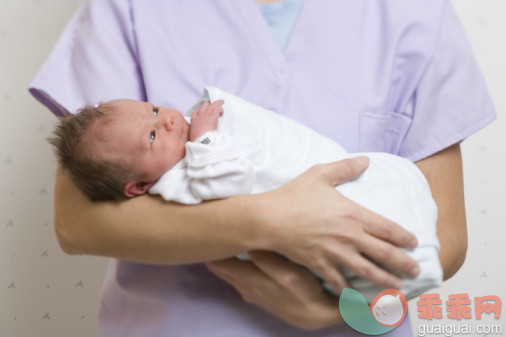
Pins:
<point x="179" y="152"/>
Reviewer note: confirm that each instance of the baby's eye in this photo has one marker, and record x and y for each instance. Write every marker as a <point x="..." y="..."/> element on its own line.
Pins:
<point x="155" y="111"/>
<point x="152" y="136"/>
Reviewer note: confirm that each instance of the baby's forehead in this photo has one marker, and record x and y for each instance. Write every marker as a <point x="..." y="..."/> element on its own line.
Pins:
<point x="117" y="115"/>
<point x="107" y="135"/>
<point x="117" y="106"/>
<point x="102" y="126"/>
<point x="124" y="103"/>
<point x="123" y="108"/>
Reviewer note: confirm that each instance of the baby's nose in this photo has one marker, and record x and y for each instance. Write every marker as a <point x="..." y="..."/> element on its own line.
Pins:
<point x="169" y="123"/>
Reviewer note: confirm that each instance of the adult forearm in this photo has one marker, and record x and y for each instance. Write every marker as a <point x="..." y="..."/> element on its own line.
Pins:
<point x="306" y="220"/>
<point x="148" y="229"/>
<point x="452" y="224"/>
<point x="443" y="171"/>
<point x="452" y="255"/>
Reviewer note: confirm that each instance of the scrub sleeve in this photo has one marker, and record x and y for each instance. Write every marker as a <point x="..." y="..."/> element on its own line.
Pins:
<point x="451" y="100"/>
<point x="439" y="102"/>
<point x="97" y="58"/>
<point x="94" y="60"/>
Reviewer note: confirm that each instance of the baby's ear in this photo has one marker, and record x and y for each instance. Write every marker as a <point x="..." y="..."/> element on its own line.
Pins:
<point x="136" y="188"/>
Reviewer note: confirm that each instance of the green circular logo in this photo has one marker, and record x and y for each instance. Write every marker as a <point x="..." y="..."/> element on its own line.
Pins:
<point x="385" y="313"/>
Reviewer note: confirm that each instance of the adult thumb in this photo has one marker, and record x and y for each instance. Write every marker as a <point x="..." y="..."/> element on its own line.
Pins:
<point x="345" y="170"/>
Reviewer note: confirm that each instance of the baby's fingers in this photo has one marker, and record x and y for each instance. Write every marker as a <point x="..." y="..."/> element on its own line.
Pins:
<point x="203" y="107"/>
<point x="217" y="103"/>
<point x="217" y="107"/>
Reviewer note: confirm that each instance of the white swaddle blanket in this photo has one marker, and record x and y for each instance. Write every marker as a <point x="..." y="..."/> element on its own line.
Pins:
<point x="279" y="149"/>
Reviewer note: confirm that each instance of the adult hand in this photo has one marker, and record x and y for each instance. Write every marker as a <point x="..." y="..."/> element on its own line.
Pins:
<point x="312" y="224"/>
<point x="281" y="288"/>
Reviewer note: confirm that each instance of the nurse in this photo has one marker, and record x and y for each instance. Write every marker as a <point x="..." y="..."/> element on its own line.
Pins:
<point x="393" y="76"/>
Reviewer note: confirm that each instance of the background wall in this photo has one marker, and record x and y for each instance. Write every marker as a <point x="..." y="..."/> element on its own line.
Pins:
<point x="484" y="157"/>
<point x="44" y="292"/>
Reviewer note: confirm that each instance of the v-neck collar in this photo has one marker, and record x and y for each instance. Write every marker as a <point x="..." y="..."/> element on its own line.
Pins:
<point x="281" y="62"/>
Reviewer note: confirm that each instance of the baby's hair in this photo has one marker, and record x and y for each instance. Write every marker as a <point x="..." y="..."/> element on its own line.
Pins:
<point x="74" y="148"/>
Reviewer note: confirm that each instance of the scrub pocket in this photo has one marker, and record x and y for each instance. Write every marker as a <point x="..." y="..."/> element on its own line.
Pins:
<point x="382" y="133"/>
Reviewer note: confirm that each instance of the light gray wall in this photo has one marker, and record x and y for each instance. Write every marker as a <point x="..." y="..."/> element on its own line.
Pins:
<point x="484" y="157"/>
<point x="40" y="287"/>
<point x="44" y="292"/>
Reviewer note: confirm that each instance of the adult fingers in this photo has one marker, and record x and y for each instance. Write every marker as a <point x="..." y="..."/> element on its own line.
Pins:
<point x="368" y="270"/>
<point x="283" y="271"/>
<point x="244" y="276"/>
<point x="234" y="270"/>
<point x="224" y="275"/>
<point x="388" y="255"/>
<point x="231" y="266"/>
<point x="288" y="274"/>
<point x="333" y="276"/>
<point x="387" y="230"/>
<point x="304" y="305"/>
<point x="237" y="284"/>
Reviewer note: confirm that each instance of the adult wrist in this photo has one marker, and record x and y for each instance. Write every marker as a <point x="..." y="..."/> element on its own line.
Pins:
<point x="265" y="228"/>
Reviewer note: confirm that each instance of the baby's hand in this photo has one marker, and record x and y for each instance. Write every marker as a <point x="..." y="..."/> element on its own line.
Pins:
<point x="205" y="118"/>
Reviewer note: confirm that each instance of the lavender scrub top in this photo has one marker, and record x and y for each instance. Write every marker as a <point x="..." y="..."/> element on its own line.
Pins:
<point x="396" y="76"/>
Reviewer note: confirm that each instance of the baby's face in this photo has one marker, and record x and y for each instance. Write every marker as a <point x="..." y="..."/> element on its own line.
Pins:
<point x="149" y="139"/>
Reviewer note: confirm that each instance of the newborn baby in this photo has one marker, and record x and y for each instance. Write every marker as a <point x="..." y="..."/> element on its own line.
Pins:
<point x="119" y="149"/>
<point x="124" y="148"/>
